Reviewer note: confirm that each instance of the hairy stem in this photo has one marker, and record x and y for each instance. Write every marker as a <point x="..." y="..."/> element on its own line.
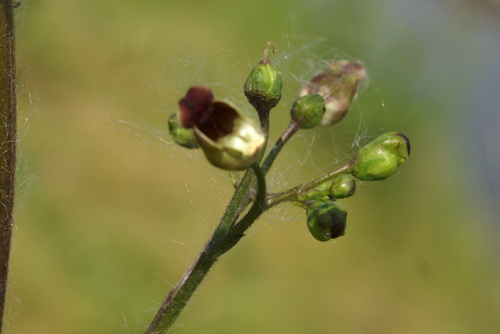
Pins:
<point x="218" y="245"/>
<point x="8" y="110"/>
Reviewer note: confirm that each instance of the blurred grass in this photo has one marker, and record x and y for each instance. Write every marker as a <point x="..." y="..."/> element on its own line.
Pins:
<point x="110" y="213"/>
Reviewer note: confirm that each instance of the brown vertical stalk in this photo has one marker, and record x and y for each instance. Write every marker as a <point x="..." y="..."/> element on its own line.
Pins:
<point x="8" y="109"/>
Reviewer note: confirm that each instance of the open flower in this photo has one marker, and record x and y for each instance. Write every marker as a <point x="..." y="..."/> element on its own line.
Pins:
<point x="338" y="85"/>
<point x="230" y="139"/>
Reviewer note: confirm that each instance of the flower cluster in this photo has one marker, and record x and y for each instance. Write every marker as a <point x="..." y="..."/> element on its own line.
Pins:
<point x="234" y="140"/>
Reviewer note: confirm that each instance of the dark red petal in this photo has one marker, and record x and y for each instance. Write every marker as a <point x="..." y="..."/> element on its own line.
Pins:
<point x="187" y="117"/>
<point x="196" y="106"/>
<point x="221" y="122"/>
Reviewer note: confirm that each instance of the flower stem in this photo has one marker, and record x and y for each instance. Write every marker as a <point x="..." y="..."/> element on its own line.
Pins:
<point x="292" y="194"/>
<point x="287" y="134"/>
<point x="8" y="115"/>
<point x="217" y="245"/>
<point x="241" y="197"/>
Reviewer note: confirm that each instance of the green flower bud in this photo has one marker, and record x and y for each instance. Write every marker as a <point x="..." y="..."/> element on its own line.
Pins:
<point x="307" y="111"/>
<point x="326" y="220"/>
<point x="181" y="136"/>
<point x="343" y="186"/>
<point x="380" y="158"/>
<point x="340" y="187"/>
<point x="338" y="85"/>
<point x="263" y="85"/>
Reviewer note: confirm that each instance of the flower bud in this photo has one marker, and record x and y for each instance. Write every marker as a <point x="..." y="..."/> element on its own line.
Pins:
<point x="343" y="186"/>
<point x="308" y="110"/>
<point x="181" y="136"/>
<point x="263" y="85"/>
<point x="326" y="220"/>
<point x="338" y="85"/>
<point x="380" y="158"/>
<point x="230" y="139"/>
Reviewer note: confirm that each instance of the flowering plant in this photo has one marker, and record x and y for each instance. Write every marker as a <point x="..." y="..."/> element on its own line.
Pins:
<point x="234" y="140"/>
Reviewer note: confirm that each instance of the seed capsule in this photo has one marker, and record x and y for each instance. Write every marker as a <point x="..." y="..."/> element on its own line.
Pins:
<point x="263" y="85"/>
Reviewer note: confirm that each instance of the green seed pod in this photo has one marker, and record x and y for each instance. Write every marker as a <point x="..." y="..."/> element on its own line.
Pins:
<point x="181" y="136"/>
<point x="326" y="220"/>
<point x="343" y="186"/>
<point x="381" y="158"/>
<point x="263" y="85"/>
<point x="307" y="111"/>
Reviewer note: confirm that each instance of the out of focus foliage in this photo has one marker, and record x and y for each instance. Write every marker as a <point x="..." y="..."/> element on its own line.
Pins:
<point x="110" y="213"/>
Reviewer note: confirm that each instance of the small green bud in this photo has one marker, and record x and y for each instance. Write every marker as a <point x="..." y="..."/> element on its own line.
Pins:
<point x="338" y="85"/>
<point x="340" y="187"/>
<point x="263" y="85"/>
<point x="326" y="220"/>
<point x="308" y="110"/>
<point x="343" y="186"/>
<point x="381" y="158"/>
<point x="181" y="136"/>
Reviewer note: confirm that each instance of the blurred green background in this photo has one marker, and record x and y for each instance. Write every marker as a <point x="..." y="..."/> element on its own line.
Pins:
<point x="110" y="213"/>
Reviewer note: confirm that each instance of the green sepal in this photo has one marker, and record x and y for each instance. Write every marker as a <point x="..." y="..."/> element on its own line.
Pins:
<point x="308" y="110"/>
<point x="181" y="136"/>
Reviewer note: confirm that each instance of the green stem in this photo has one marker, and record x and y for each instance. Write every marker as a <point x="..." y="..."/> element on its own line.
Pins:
<point x="258" y="206"/>
<point x="218" y="245"/>
<point x="180" y="294"/>
<point x="295" y="192"/>
<point x="235" y="205"/>
<point x="287" y="134"/>
<point x="8" y="115"/>
<point x="241" y="197"/>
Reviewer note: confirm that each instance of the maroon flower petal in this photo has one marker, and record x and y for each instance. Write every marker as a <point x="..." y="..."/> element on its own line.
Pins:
<point x="196" y="106"/>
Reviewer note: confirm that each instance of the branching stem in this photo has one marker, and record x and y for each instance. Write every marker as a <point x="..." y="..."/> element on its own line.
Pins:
<point x="292" y="194"/>
<point x="218" y="245"/>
